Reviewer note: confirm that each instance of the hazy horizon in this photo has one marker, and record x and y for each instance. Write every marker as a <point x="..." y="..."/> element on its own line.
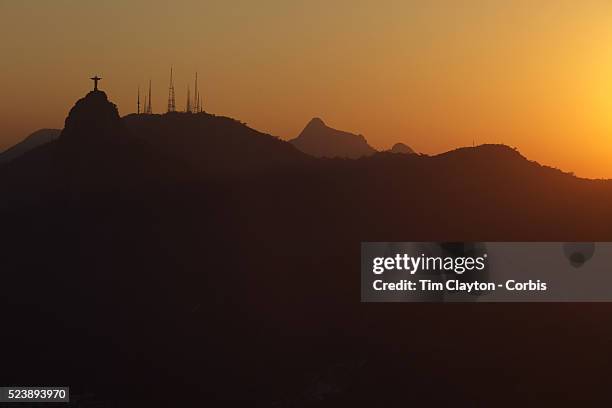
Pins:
<point x="434" y="75"/>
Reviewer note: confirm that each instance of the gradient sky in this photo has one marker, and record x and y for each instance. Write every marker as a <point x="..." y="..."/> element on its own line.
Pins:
<point x="536" y="75"/>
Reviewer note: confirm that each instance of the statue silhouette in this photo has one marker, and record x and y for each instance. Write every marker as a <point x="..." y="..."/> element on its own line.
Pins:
<point x="95" y="79"/>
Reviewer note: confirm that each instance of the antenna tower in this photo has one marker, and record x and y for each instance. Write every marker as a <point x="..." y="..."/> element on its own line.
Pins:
<point x="148" y="108"/>
<point x="188" y="107"/>
<point x="196" y="95"/>
<point x="171" y="101"/>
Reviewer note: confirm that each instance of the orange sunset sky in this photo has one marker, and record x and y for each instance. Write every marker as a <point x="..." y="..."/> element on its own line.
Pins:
<point x="536" y="75"/>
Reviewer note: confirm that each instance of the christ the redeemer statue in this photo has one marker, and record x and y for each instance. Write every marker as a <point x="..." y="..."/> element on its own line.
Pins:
<point x="95" y="79"/>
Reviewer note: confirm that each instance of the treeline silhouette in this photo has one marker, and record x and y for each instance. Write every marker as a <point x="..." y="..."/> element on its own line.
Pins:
<point x="187" y="259"/>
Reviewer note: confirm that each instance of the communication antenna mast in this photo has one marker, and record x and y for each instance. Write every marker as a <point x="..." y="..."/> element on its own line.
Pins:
<point x="188" y="107"/>
<point x="138" y="101"/>
<point x="149" y="107"/>
<point x="196" y="95"/>
<point x="171" y="101"/>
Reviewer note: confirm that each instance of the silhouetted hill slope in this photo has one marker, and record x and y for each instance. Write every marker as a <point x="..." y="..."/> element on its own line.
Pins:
<point x="215" y="145"/>
<point x="140" y="268"/>
<point x="485" y="193"/>
<point x="401" y="148"/>
<point x="38" y="138"/>
<point x="319" y="140"/>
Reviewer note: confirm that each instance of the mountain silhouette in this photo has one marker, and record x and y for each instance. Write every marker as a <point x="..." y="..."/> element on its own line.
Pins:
<point x="319" y="140"/>
<point x="401" y="148"/>
<point x="38" y="138"/>
<point x="95" y="150"/>
<point x="188" y="251"/>
<point x="215" y="146"/>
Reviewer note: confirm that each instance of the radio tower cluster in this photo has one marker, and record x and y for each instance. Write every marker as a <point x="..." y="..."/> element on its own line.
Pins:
<point x="192" y="105"/>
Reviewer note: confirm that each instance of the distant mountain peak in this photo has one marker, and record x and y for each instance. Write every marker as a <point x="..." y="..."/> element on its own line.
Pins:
<point x="38" y="138"/>
<point x="316" y="122"/>
<point x="401" y="148"/>
<point x="320" y="140"/>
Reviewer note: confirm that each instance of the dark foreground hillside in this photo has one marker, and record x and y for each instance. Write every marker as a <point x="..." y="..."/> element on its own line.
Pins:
<point x="188" y="260"/>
